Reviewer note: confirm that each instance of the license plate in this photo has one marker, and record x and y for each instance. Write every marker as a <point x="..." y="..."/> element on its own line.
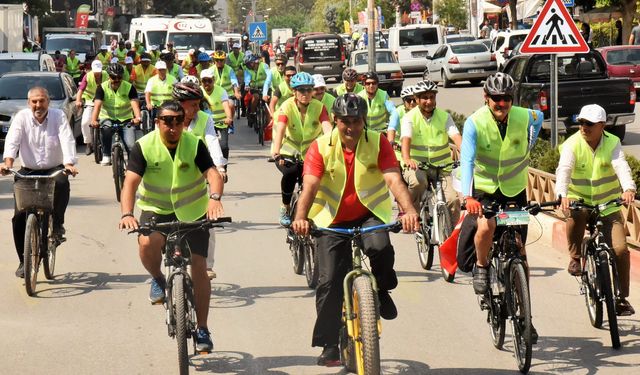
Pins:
<point x="323" y="67"/>
<point x="476" y="70"/>
<point x="420" y="54"/>
<point x="508" y="218"/>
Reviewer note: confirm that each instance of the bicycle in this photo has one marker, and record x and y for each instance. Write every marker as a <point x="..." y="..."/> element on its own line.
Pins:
<point x="179" y="302"/>
<point x="34" y="195"/>
<point x="262" y="119"/>
<point x="599" y="278"/>
<point x="97" y="144"/>
<point x="236" y="104"/>
<point x="146" y="122"/>
<point x="508" y="294"/>
<point x="434" y="205"/>
<point x="118" y="162"/>
<point x="360" y="333"/>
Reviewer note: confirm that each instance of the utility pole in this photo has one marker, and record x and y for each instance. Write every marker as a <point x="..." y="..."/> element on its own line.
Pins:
<point x="371" y="35"/>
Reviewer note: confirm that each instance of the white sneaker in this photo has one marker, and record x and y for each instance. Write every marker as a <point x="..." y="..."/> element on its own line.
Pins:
<point x="106" y="160"/>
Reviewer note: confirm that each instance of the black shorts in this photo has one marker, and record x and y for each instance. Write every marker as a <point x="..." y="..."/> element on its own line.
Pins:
<point x="520" y="200"/>
<point x="198" y="240"/>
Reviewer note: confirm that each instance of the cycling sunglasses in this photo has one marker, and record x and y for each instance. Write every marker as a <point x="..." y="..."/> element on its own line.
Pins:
<point x="501" y="98"/>
<point x="207" y="80"/>
<point x="172" y="120"/>
<point x="409" y="100"/>
<point x="305" y="90"/>
<point x="115" y="78"/>
<point x="587" y="123"/>
<point x="370" y="83"/>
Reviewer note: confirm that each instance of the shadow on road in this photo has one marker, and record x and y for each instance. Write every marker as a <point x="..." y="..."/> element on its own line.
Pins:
<point x="232" y="295"/>
<point x="78" y="283"/>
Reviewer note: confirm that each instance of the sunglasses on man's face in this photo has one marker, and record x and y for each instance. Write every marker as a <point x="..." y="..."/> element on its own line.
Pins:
<point x="289" y="75"/>
<point x="172" y="120"/>
<point x="587" y="123"/>
<point x="304" y="90"/>
<point x="115" y="78"/>
<point x="409" y="100"/>
<point x="501" y="98"/>
<point x="279" y="63"/>
<point x="207" y="80"/>
<point x="370" y="83"/>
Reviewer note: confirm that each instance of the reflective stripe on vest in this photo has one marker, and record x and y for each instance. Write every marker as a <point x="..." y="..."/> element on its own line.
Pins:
<point x="501" y="164"/>
<point x="299" y="135"/>
<point x="215" y="106"/>
<point x="90" y="90"/>
<point x="142" y="77"/>
<point x="224" y="80"/>
<point x="116" y="105"/>
<point x="429" y="139"/>
<point x="73" y="67"/>
<point x="593" y="177"/>
<point x="172" y="185"/>
<point x="369" y="182"/>
<point x="342" y="89"/>
<point x="377" y="115"/>
<point x="105" y="59"/>
<point x="201" y="125"/>
<point x="161" y="90"/>
<point x="401" y="112"/>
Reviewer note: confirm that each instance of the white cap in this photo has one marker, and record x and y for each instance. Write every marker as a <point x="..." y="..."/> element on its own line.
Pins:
<point x="128" y="60"/>
<point x="114" y="60"/>
<point x="104" y="46"/>
<point x="318" y="80"/>
<point x="161" y="65"/>
<point x="593" y="113"/>
<point x="192" y="51"/>
<point x="154" y="47"/>
<point x="206" y="73"/>
<point x="235" y="45"/>
<point x="165" y="51"/>
<point x="96" y="66"/>
<point x="201" y="49"/>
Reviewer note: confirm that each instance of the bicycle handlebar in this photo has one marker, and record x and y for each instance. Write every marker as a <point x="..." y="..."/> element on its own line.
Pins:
<point x="425" y="165"/>
<point x="288" y="160"/>
<point x="152" y="226"/>
<point x="533" y="208"/>
<point x="39" y="176"/>
<point x="352" y="232"/>
<point x="579" y="204"/>
<point x="115" y="124"/>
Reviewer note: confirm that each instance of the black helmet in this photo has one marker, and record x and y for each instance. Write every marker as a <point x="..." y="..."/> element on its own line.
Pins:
<point x="499" y="84"/>
<point x="349" y="74"/>
<point x="186" y="91"/>
<point x="115" y="70"/>
<point x="371" y="75"/>
<point x="167" y="56"/>
<point x="282" y="56"/>
<point x="349" y="105"/>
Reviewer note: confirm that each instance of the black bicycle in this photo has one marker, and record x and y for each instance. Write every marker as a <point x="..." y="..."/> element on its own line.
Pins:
<point x="508" y="294"/>
<point x="179" y="302"/>
<point x="34" y="196"/>
<point x="118" y="161"/>
<point x="262" y="118"/>
<point x="599" y="277"/>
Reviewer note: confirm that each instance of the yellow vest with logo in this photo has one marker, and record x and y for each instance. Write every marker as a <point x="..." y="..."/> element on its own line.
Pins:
<point x="142" y="77"/>
<point x="224" y="80"/>
<point x="429" y="139"/>
<point x="342" y="89"/>
<point x="172" y="185"/>
<point x="201" y="126"/>
<point x="236" y="62"/>
<point x="105" y="59"/>
<point x="73" y="67"/>
<point x="215" y="105"/>
<point x="116" y="104"/>
<point x="369" y="182"/>
<point x="258" y="77"/>
<point x="593" y="177"/>
<point x="299" y="135"/>
<point x="501" y="164"/>
<point x="90" y="90"/>
<point x="377" y="115"/>
<point x="161" y="90"/>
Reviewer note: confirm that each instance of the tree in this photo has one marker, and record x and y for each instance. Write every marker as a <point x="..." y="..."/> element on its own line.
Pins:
<point x="331" y="18"/>
<point x="297" y="21"/>
<point x="629" y="8"/>
<point x="454" y="12"/>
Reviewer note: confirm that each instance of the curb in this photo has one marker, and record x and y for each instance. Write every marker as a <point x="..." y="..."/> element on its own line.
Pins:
<point x="556" y="228"/>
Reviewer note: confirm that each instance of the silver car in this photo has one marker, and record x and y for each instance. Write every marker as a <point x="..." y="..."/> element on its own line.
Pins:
<point x="387" y="67"/>
<point x="13" y="97"/>
<point x="464" y="61"/>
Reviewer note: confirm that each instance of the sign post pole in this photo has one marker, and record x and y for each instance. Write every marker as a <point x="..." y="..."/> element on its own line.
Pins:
<point x="554" y="100"/>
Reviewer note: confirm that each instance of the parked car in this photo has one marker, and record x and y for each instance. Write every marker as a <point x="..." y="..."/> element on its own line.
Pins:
<point x="623" y="61"/>
<point x="387" y="67"/>
<point x="453" y="38"/>
<point x="582" y="80"/>
<point x="26" y="62"/>
<point x="321" y="54"/>
<point x="288" y="47"/>
<point x="505" y="42"/>
<point x="464" y="61"/>
<point x="13" y="97"/>
<point x="412" y="43"/>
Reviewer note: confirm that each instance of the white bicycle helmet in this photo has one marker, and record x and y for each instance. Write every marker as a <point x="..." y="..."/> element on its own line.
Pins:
<point x="406" y="91"/>
<point x="192" y="79"/>
<point x="425" y="86"/>
<point x="499" y="84"/>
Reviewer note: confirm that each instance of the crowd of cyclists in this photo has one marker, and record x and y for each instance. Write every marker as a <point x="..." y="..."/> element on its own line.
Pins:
<point x="357" y="147"/>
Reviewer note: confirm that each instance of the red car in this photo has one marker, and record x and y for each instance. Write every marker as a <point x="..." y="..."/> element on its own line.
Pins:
<point x="288" y="47"/>
<point x="623" y="61"/>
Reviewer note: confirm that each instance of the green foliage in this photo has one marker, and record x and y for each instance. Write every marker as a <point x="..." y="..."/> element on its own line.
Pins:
<point x="604" y="33"/>
<point x="296" y="20"/>
<point x="458" y="119"/>
<point x="544" y="157"/>
<point x="331" y="18"/>
<point x="453" y="12"/>
<point x="634" y="164"/>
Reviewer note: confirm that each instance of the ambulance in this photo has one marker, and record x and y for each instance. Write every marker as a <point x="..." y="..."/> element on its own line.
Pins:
<point x="150" y="29"/>
<point x="188" y="31"/>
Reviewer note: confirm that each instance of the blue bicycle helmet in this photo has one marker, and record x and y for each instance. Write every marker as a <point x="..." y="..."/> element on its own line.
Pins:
<point x="203" y="57"/>
<point x="301" y="79"/>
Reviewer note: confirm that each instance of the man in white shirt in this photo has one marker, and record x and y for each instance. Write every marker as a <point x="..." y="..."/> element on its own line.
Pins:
<point x="592" y="167"/>
<point x="46" y="144"/>
<point x="494" y="32"/>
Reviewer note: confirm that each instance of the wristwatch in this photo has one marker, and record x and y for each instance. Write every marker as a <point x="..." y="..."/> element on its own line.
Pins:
<point x="215" y="196"/>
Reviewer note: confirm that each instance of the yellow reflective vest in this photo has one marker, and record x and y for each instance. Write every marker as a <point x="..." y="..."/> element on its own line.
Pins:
<point x="368" y="179"/>
<point x="116" y="104"/>
<point x="224" y="79"/>
<point x="73" y="67"/>
<point x="142" y="76"/>
<point x="429" y="139"/>
<point x="299" y="134"/>
<point x="342" y="89"/>
<point x="215" y="106"/>
<point x="236" y="61"/>
<point x="161" y="90"/>
<point x="377" y="115"/>
<point x="90" y="90"/>
<point x="201" y="126"/>
<point x="105" y="59"/>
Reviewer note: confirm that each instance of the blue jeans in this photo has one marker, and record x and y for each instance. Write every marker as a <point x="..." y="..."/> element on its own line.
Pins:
<point x="127" y="134"/>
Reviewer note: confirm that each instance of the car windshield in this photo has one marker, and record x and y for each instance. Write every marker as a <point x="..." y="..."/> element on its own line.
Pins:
<point x="418" y="37"/>
<point x="79" y="45"/>
<point x="321" y="49"/>
<point x="192" y="40"/>
<point x="156" y="37"/>
<point x="516" y="39"/>
<point x="461" y="49"/>
<point x="17" y="87"/>
<point x="19" y="66"/>
<point x="460" y="38"/>
<point x="384" y="57"/>
<point x="630" y="56"/>
<point x="569" y="67"/>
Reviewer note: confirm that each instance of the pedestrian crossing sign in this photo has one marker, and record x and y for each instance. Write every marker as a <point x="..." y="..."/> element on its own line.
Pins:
<point x="554" y="32"/>
<point x="258" y="31"/>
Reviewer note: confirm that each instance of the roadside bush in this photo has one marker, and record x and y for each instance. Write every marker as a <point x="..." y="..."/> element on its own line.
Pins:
<point x="604" y="33"/>
<point x="458" y="119"/>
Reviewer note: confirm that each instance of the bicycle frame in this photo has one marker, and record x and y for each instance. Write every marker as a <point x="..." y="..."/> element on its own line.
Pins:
<point x="595" y="247"/>
<point x="357" y="270"/>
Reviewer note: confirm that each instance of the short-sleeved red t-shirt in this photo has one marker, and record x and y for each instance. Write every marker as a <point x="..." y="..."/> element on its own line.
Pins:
<point x="350" y="209"/>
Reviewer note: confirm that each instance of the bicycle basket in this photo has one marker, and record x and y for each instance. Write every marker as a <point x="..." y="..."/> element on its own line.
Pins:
<point x="34" y="194"/>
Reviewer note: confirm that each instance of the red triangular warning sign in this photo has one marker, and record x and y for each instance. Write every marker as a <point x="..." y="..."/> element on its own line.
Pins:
<point x="554" y="32"/>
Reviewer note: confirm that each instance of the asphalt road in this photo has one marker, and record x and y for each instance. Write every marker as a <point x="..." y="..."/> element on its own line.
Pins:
<point x="94" y="318"/>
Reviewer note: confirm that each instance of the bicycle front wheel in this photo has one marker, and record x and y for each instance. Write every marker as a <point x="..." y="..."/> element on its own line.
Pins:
<point x="31" y="254"/>
<point x="423" y="242"/>
<point x="179" y="301"/>
<point x="117" y="165"/>
<point x="520" y="315"/>
<point x="367" y="344"/>
<point x="50" y="261"/>
<point x="97" y="145"/>
<point x="590" y="286"/>
<point x="604" y="272"/>
<point x="297" y="255"/>
<point x="310" y="263"/>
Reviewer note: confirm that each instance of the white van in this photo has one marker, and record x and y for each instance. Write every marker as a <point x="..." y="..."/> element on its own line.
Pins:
<point x="221" y="43"/>
<point x="150" y="29"/>
<point x="412" y="44"/>
<point x="188" y="31"/>
<point x="505" y="42"/>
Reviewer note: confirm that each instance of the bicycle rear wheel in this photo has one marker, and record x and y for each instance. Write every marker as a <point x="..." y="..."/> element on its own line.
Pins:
<point x="444" y="228"/>
<point x="260" y="123"/>
<point x="496" y="314"/>
<point x="237" y="103"/>
<point x="97" y="145"/>
<point x="589" y="279"/>
<point x="31" y="255"/>
<point x="423" y="242"/>
<point x="310" y="263"/>
<point x="117" y="165"/>
<point x="367" y="342"/>
<point x="520" y="315"/>
<point x="179" y="301"/>
<point x="49" y="261"/>
<point x="604" y="272"/>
